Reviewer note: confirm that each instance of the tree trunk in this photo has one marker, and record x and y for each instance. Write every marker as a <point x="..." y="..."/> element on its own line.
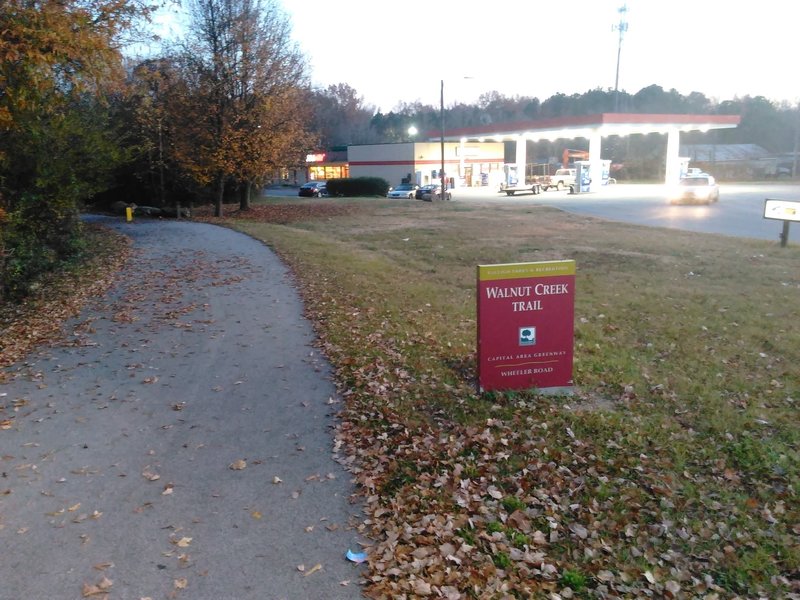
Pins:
<point x="244" y="197"/>
<point x="220" y="195"/>
<point x="161" y="192"/>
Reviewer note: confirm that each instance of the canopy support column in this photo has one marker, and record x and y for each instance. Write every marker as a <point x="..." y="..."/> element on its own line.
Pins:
<point x="672" y="171"/>
<point x="595" y="162"/>
<point x="521" y="159"/>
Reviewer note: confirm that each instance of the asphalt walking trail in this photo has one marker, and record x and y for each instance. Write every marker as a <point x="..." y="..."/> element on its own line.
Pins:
<point x="180" y="444"/>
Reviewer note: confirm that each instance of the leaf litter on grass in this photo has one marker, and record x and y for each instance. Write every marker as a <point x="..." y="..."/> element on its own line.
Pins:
<point x="622" y="490"/>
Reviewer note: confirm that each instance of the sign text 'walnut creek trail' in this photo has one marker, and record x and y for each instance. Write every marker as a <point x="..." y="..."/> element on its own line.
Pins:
<point x="526" y="317"/>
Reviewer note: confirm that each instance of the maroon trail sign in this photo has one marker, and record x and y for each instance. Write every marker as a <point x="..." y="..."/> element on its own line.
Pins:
<point x="526" y="315"/>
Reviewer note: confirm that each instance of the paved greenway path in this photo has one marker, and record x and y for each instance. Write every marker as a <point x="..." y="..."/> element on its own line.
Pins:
<point x="181" y="445"/>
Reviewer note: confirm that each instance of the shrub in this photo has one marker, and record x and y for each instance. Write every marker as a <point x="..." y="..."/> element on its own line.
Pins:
<point x="358" y="186"/>
<point x="38" y="235"/>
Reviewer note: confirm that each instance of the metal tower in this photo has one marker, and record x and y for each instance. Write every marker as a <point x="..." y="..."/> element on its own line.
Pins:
<point x="620" y="27"/>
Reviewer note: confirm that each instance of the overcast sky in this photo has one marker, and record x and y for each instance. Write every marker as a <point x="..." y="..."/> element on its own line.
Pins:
<point x="392" y="52"/>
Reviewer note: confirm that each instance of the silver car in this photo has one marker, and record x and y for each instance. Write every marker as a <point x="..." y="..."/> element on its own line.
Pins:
<point x="404" y="190"/>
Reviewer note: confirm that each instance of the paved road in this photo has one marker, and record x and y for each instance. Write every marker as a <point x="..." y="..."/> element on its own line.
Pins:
<point x="738" y="213"/>
<point x="119" y="460"/>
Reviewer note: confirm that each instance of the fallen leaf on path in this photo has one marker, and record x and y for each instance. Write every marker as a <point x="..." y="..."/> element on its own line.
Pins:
<point x="150" y="475"/>
<point x="183" y="542"/>
<point x="180" y="584"/>
<point x="255" y="514"/>
<point x="101" y="587"/>
<point x="238" y="465"/>
<point x="314" y="569"/>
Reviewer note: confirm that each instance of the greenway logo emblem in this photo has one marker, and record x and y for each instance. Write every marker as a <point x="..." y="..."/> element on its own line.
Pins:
<point x="527" y="336"/>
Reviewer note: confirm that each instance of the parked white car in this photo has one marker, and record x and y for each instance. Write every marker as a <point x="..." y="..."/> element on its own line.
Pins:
<point x="404" y="190"/>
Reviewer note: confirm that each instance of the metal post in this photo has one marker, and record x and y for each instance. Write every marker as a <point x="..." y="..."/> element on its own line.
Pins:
<point x="785" y="234"/>
<point x="796" y="142"/>
<point x="441" y="114"/>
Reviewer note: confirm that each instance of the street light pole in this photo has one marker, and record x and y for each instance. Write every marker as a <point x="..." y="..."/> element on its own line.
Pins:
<point x="441" y="114"/>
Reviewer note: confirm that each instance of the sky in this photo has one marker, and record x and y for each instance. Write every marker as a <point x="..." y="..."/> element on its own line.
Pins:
<point x="401" y="52"/>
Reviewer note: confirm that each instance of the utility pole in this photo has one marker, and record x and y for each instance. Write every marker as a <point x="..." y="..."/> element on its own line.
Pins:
<point x="621" y="27"/>
<point x="796" y="141"/>
<point x="441" y="114"/>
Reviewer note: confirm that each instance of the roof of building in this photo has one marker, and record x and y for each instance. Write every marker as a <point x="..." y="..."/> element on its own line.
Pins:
<point x="723" y="152"/>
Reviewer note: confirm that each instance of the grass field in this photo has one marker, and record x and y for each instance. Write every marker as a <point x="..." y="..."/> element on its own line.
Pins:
<point x="673" y="470"/>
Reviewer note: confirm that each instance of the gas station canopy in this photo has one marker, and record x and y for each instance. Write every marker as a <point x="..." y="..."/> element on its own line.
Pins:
<point x="587" y="126"/>
<point x="593" y="127"/>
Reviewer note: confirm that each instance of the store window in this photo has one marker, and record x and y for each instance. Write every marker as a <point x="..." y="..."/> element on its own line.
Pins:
<point x="320" y="172"/>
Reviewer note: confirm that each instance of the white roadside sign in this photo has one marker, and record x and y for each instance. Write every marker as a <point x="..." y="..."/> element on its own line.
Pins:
<point x="782" y="210"/>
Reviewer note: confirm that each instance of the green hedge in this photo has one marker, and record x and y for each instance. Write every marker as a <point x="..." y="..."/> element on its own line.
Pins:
<point x="358" y="186"/>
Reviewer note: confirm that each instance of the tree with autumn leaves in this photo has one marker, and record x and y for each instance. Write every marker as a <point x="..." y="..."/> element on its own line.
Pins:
<point x="60" y="67"/>
<point x="239" y="105"/>
<point x="217" y="113"/>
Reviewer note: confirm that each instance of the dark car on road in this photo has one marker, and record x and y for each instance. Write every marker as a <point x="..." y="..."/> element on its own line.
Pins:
<point x="432" y="192"/>
<point x="423" y="190"/>
<point x="313" y="189"/>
